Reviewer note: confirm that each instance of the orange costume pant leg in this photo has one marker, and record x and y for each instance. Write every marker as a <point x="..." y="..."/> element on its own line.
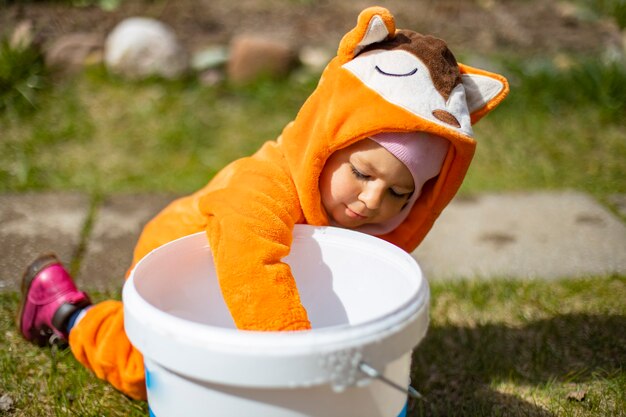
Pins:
<point x="99" y="340"/>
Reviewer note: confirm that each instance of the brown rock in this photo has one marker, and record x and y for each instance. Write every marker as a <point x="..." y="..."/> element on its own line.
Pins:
<point x="252" y="57"/>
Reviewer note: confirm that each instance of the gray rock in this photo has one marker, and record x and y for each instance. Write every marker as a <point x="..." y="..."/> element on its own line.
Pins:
<point x="70" y="53"/>
<point x="6" y="403"/>
<point x="142" y="47"/>
<point x="315" y="58"/>
<point x="209" y="58"/>
<point x="22" y="36"/>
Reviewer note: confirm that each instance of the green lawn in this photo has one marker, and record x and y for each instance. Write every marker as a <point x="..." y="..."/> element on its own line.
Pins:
<point x="525" y="349"/>
<point x="50" y="382"/>
<point x="500" y="348"/>
<point x="102" y="135"/>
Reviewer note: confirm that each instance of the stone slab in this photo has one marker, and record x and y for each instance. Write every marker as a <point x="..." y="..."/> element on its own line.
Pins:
<point x="33" y="223"/>
<point x="524" y="235"/>
<point x="618" y="202"/>
<point x="520" y="235"/>
<point x="117" y="223"/>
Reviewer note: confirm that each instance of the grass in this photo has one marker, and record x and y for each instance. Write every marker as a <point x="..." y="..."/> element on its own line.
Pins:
<point x="50" y="382"/>
<point x="522" y="348"/>
<point x="22" y="75"/>
<point x="560" y="128"/>
<point x="102" y="135"/>
<point x="504" y="348"/>
<point x="614" y="8"/>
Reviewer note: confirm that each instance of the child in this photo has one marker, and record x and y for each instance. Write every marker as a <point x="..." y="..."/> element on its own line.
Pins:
<point x="381" y="146"/>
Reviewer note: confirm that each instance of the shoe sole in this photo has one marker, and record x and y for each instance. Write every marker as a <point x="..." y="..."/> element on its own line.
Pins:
<point x="42" y="262"/>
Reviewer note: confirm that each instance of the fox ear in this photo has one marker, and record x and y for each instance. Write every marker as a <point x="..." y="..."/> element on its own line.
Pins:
<point x="483" y="90"/>
<point x="374" y="24"/>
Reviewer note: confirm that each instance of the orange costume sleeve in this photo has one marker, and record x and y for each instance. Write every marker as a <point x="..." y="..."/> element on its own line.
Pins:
<point x="250" y="222"/>
<point x="382" y="80"/>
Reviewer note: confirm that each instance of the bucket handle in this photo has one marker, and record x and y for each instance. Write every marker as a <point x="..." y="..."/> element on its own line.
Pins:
<point x="370" y="371"/>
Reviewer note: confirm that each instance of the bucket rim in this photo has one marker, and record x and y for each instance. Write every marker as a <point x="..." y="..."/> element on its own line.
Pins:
<point x="276" y="339"/>
<point x="226" y="355"/>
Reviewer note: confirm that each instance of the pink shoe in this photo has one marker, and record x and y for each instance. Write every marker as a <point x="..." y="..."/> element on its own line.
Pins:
<point x="49" y="297"/>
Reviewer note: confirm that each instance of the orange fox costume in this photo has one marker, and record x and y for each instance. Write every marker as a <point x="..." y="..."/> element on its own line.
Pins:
<point x="381" y="80"/>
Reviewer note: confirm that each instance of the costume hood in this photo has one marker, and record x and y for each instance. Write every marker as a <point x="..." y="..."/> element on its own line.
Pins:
<point x="388" y="80"/>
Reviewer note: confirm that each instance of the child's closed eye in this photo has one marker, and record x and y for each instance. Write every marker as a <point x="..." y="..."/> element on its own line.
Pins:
<point x="399" y="195"/>
<point x="359" y="174"/>
<point x="396" y="194"/>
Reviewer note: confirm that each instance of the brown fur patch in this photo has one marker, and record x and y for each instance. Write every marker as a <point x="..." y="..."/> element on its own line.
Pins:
<point x="433" y="52"/>
<point x="446" y="117"/>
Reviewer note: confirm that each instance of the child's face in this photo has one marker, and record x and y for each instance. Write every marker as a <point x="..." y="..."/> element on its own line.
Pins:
<point x="364" y="184"/>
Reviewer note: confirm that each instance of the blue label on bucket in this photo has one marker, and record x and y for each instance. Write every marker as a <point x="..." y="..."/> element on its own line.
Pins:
<point x="148" y="378"/>
<point x="404" y="410"/>
<point x="149" y="385"/>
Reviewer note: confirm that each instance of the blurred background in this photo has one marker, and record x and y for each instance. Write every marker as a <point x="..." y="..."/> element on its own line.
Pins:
<point x="75" y="116"/>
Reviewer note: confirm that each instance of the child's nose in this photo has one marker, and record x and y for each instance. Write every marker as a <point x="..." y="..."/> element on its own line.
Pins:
<point x="372" y="196"/>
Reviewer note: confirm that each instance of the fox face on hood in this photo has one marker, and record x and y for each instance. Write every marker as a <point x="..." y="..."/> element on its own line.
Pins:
<point x="418" y="73"/>
<point x="388" y="80"/>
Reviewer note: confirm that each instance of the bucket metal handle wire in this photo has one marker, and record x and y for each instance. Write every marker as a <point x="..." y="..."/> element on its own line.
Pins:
<point x="370" y="371"/>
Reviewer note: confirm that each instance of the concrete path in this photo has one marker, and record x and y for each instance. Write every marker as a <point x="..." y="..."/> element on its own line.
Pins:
<point x="518" y="235"/>
<point x="524" y="235"/>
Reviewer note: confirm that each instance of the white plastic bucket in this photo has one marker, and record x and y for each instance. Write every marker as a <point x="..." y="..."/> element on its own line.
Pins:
<point x="367" y="301"/>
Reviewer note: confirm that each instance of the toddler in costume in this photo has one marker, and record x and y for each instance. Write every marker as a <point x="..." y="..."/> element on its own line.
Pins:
<point x="381" y="146"/>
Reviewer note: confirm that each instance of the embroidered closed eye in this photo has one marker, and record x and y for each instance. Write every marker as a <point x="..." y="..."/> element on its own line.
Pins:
<point x="391" y="74"/>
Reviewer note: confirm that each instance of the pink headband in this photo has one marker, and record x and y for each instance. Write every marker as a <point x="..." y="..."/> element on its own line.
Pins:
<point x="423" y="154"/>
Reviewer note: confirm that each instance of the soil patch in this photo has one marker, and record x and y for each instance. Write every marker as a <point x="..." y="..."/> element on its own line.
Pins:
<point x="482" y="27"/>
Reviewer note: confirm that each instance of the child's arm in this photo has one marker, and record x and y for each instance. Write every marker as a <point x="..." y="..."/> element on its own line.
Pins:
<point x="250" y="219"/>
